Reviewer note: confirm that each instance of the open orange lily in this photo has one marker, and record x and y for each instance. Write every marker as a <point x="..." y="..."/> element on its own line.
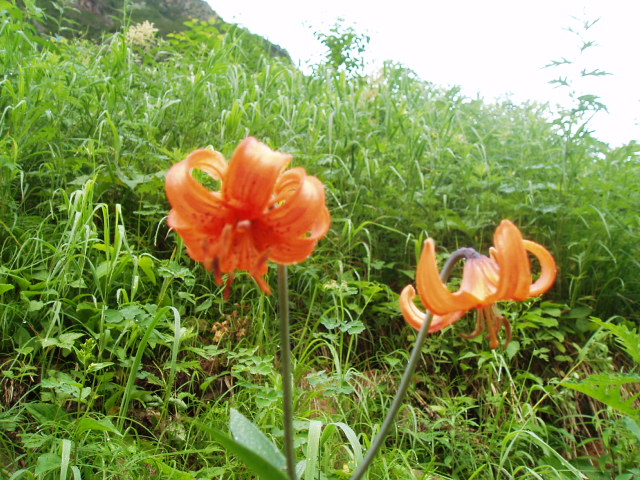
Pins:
<point x="261" y="211"/>
<point x="505" y="275"/>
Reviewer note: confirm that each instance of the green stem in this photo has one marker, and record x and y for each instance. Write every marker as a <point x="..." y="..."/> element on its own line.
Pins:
<point x="128" y="389"/>
<point x="286" y="370"/>
<point x="408" y="372"/>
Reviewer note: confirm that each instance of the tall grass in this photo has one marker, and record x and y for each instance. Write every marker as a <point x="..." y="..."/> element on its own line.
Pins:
<point x="110" y="336"/>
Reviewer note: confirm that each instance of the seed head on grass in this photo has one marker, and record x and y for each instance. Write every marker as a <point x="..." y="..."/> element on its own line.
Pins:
<point x="142" y="35"/>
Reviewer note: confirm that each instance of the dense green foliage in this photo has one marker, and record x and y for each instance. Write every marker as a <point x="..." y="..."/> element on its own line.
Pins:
<point x="112" y="339"/>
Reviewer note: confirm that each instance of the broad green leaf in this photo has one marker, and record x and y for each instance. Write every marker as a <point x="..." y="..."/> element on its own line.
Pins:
<point x="330" y="323"/>
<point x="23" y="283"/>
<point x="146" y="264"/>
<point x="102" y="425"/>
<point x="629" y="339"/>
<point x="65" y="340"/>
<point x="606" y="379"/>
<point x="250" y="436"/>
<point x="45" y="412"/>
<point x="78" y="283"/>
<point x="313" y="450"/>
<point x="354" y="327"/>
<point x="5" y="287"/>
<point x="633" y="426"/>
<point x="103" y="269"/>
<point x="35" y="305"/>
<point x="66" y="458"/>
<point x="47" y="462"/>
<point x="102" y="247"/>
<point x="353" y="441"/>
<point x="168" y="471"/>
<point x="132" y="311"/>
<point x="607" y="389"/>
<point x="263" y="468"/>
<point x="539" y="320"/>
<point x="204" y="306"/>
<point x="113" y="316"/>
<point x="94" y="367"/>
<point x="512" y="349"/>
<point x="578" y="312"/>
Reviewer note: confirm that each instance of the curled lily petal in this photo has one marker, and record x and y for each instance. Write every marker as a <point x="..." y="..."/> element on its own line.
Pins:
<point x="251" y="177"/>
<point x="292" y="252"/>
<point x="434" y="294"/>
<point x="547" y="266"/>
<point x="322" y="224"/>
<point x="511" y="256"/>
<point x="415" y="317"/>
<point x="441" y="322"/>
<point x="505" y="275"/>
<point x="410" y="311"/>
<point x="296" y="250"/>
<point x="196" y="203"/>
<point x="259" y="213"/>
<point x="299" y="199"/>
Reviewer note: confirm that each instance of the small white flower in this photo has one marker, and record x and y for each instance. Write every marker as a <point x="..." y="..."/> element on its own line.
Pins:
<point x="142" y="35"/>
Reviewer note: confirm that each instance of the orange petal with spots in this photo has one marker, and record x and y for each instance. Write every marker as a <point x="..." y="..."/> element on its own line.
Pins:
<point x="300" y="201"/>
<point x="250" y="180"/>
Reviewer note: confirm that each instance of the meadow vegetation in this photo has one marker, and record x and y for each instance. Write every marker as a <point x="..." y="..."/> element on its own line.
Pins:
<point x="112" y="340"/>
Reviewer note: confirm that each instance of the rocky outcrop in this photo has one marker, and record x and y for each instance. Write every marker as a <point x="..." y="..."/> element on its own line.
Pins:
<point x="192" y="8"/>
<point x="95" y="17"/>
<point x="198" y="9"/>
<point x="92" y="6"/>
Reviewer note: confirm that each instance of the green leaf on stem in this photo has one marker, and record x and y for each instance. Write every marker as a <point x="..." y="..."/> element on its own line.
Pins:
<point x="313" y="450"/>
<point x="251" y="446"/>
<point x="247" y="434"/>
<point x="607" y="388"/>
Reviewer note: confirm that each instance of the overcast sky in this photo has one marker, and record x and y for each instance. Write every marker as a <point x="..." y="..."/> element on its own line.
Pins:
<point x="490" y="48"/>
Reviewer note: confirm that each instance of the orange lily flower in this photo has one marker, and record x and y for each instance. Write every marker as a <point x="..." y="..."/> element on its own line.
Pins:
<point x="261" y="211"/>
<point x="505" y="275"/>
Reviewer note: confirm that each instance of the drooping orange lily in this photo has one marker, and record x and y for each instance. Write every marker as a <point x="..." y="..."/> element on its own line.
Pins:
<point x="260" y="213"/>
<point x="505" y="275"/>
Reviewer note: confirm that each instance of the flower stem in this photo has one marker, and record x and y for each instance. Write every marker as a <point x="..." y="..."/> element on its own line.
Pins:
<point x="286" y="370"/>
<point x="408" y="373"/>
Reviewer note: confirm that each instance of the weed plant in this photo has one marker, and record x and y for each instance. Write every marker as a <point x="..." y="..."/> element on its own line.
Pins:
<point x="111" y="338"/>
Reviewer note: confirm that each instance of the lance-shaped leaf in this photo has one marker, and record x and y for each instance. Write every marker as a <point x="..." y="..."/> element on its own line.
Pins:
<point x="251" y="446"/>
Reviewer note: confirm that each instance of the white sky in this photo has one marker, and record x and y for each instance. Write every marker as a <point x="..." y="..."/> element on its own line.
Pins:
<point x="492" y="48"/>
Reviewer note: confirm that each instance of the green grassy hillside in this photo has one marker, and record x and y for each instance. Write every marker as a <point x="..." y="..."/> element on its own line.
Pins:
<point x="94" y="18"/>
<point x="113" y="341"/>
